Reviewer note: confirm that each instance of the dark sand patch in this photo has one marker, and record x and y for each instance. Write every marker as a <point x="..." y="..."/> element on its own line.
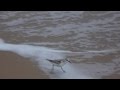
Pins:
<point x="115" y="75"/>
<point x="13" y="66"/>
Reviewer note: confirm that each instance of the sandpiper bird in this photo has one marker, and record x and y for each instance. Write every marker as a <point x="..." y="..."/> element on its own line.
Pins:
<point x="58" y="63"/>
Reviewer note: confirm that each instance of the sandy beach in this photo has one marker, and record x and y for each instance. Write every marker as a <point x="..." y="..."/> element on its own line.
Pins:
<point x="92" y="37"/>
<point x="13" y="66"/>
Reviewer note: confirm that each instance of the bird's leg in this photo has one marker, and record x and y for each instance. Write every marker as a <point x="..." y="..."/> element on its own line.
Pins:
<point x="52" y="68"/>
<point x="62" y="69"/>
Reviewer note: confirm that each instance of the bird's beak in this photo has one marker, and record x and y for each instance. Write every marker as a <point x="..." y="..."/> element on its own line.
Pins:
<point x="68" y="60"/>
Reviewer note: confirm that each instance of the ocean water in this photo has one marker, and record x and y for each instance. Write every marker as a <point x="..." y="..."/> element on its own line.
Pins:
<point x="90" y="39"/>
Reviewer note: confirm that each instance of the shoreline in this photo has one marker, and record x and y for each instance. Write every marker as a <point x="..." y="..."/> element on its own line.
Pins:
<point x="13" y="66"/>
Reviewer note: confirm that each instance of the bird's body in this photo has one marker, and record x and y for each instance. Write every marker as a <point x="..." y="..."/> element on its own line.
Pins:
<point x="58" y="63"/>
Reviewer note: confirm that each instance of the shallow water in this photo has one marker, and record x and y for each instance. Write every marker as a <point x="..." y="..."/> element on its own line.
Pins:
<point x="76" y="31"/>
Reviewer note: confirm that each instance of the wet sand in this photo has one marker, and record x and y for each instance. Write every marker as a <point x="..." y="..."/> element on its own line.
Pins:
<point x="113" y="76"/>
<point x="13" y="66"/>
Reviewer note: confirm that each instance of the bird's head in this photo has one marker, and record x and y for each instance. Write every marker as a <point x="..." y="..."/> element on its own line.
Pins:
<point x="68" y="60"/>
